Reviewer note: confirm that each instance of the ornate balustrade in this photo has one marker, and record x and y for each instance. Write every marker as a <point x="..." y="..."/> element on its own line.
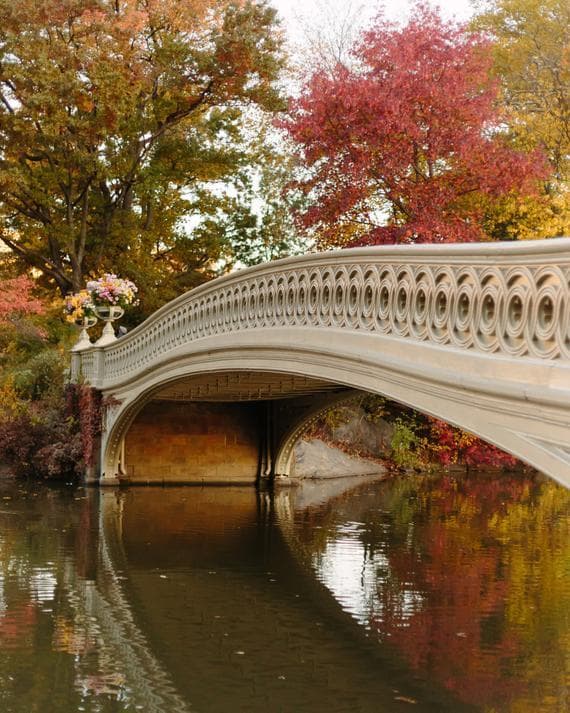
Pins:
<point x="510" y="299"/>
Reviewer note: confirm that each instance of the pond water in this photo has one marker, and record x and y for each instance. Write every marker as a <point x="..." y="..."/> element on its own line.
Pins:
<point x="429" y="593"/>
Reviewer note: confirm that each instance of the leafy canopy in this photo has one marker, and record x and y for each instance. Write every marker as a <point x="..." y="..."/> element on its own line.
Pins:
<point x="404" y="145"/>
<point x="531" y="53"/>
<point x="116" y="119"/>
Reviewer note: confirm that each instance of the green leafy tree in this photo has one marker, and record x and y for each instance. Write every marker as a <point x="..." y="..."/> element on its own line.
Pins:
<point x="531" y="49"/>
<point x="263" y="225"/>
<point x="119" y="120"/>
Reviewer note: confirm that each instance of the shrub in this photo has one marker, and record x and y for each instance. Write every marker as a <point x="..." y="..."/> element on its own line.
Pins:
<point x="407" y="445"/>
<point x="43" y="433"/>
<point x="449" y="445"/>
<point x="41" y="444"/>
<point x="41" y="377"/>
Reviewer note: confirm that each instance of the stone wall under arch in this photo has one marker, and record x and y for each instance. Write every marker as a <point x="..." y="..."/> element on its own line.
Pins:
<point x="193" y="442"/>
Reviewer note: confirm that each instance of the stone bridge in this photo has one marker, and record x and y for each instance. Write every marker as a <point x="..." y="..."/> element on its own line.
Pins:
<point x="218" y="384"/>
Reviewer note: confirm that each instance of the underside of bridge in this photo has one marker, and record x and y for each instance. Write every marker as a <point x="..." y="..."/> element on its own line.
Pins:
<point x="232" y="427"/>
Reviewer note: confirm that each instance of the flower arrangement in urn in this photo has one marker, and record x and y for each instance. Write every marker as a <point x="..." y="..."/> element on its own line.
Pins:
<point x="110" y="295"/>
<point x="106" y="298"/>
<point x="110" y="292"/>
<point x="79" y="309"/>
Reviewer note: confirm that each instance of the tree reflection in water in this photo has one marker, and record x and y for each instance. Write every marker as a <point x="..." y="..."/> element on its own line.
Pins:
<point x="467" y="578"/>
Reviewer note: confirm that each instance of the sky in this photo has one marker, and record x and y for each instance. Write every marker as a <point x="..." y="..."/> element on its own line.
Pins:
<point x="296" y="13"/>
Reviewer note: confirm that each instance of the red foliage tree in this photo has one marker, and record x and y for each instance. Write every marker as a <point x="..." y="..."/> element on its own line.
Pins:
<point x="16" y="299"/>
<point x="405" y="145"/>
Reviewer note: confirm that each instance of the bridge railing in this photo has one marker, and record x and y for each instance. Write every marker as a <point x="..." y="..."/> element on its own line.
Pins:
<point x="511" y="299"/>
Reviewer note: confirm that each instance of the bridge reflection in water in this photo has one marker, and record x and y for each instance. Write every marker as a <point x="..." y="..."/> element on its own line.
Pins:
<point x="436" y="593"/>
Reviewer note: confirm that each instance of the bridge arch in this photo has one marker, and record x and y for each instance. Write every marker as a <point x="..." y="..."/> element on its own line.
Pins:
<point x="294" y="433"/>
<point x="470" y="402"/>
<point x="476" y="335"/>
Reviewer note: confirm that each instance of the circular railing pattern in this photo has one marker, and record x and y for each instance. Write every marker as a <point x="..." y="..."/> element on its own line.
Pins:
<point x="513" y="310"/>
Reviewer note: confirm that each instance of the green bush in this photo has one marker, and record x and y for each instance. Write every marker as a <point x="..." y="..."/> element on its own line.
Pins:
<point x="406" y="445"/>
<point x="42" y="376"/>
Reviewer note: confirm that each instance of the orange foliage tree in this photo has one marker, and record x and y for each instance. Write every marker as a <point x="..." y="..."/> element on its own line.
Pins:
<point x="115" y="117"/>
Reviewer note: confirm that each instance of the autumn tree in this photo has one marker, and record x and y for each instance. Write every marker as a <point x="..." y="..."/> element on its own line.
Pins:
<point x="404" y="144"/>
<point x="119" y="122"/>
<point x="17" y="300"/>
<point x="531" y="52"/>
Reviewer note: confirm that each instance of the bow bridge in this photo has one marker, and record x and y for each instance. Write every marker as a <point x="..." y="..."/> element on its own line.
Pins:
<point x="220" y="383"/>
